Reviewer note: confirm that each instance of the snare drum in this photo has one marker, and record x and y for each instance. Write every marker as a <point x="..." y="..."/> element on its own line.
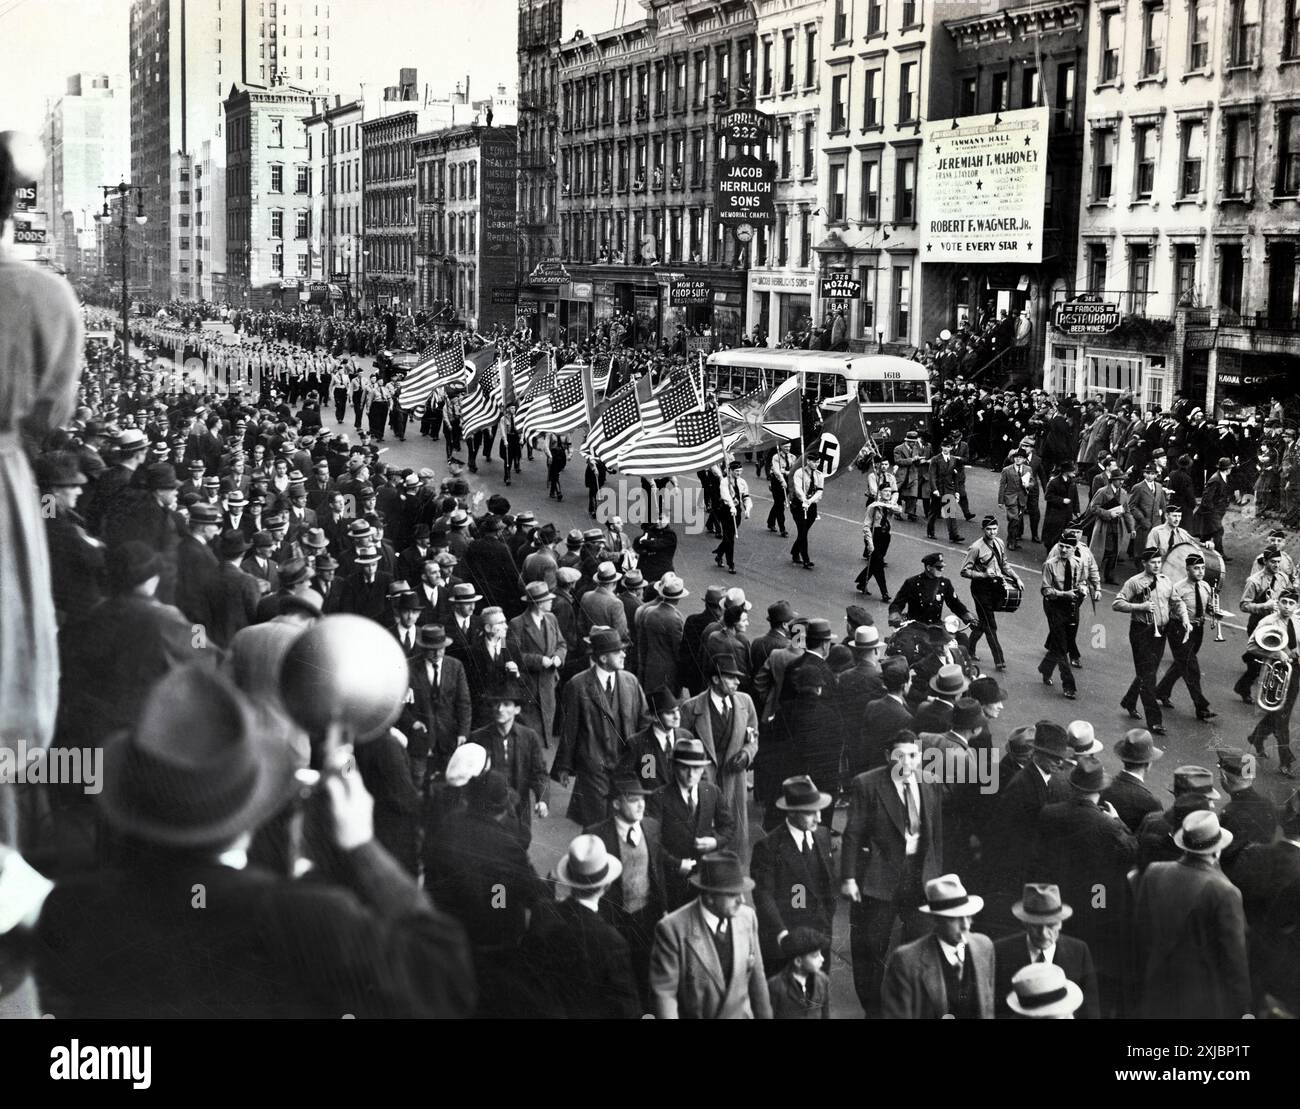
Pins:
<point x="1012" y="595"/>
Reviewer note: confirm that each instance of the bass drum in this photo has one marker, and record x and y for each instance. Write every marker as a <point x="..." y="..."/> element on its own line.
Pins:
<point x="1012" y="595"/>
<point x="1175" y="564"/>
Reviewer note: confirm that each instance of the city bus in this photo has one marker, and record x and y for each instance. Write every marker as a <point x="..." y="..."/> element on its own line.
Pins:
<point x="893" y="392"/>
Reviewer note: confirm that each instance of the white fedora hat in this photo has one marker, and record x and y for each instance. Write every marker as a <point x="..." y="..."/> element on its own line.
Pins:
<point x="1041" y="990"/>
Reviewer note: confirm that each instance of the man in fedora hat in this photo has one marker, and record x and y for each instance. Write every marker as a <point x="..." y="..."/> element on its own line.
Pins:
<point x="1042" y="912"/>
<point x="655" y="548"/>
<point x="515" y="750"/>
<point x="649" y="756"/>
<point x="882" y="718"/>
<point x="492" y="661"/>
<point x="794" y="870"/>
<point x="1084" y="846"/>
<point x="188" y="786"/>
<point x="536" y="640"/>
<point x="637" y="898"/>
<point x="964" y="802"/>
<point x="294" y="578"/>
<point x="489" y="565"/>
<point x="1268" y="875"/>
<point x="1041" y="992"/>
<point x="599" y="607"/>
<point x="601" y="709"/>
<point x="260" y="564"/>
<point x="726" y="722"/>
<point x="463" y="630"/>
<point x="579" y="964"/>
<point x="947" y="973"/>
<point x="1248" y="815"/>
<point x="1191" y="931"/>
<point x="148" y="515"/>
<point x="1127" y="793"/>
<point x="658" y="628"/>
<point x="437" y="714"/>
<point x="858" y="686"/>
<point x="365" y="590"/>
<point x="707" y="963"/>
<point x="780" y="616"/>
<point x="234" y="593"/>
<point x="76" y="559"/>
<point x="802" y="991"/>
<point x="693" y="816"/>
<point x="1193" y="791"/>
<point x="892" y="847"/>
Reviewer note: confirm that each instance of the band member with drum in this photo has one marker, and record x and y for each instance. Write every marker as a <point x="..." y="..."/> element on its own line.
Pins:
<point x="1276" y="639"/>
<point x="994" y="586"/>
<point x="923" y="596"/>
<point x="1198" y="600"/>
<point x="1069" y="575"/>
<point x="1258" y="600"/>
<point x="1164" y="537"/>
<point x="1152" y="604"/>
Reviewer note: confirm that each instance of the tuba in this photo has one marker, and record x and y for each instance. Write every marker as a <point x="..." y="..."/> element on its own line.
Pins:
<point x="1275" y="674"/>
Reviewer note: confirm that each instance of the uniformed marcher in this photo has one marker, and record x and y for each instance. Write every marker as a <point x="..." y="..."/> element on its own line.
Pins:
<point x="989" y="572"/>
<point x="1069" y="575"/>
<point x="1151" y="603"/>
<point x="1185" y="643"/>
<point x="923" y="596"/>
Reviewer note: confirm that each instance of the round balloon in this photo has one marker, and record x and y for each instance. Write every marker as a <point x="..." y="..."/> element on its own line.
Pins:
<point x="344" y="670"/>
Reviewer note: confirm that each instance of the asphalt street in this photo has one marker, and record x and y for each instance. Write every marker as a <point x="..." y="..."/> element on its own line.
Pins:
<point x="766" y="573"/>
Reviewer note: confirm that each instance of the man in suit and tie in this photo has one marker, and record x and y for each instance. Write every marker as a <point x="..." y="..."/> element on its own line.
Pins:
<point x="707" y="963"/>
<point x="491" y="664"/>
<point x="233" y="594"/>
<point x="259" y="564"/>
<point x="882" y="719"/>
<point x="947" y="973"/>
<point x="659" y="626"/>
<point x="649" y="756"/>
<point x="637" y="899"/>
<point x="406" y="616"/>
<point x="365" y="590"/>
<point x="794" y="870"/>
<point x="515" y="750"/>
<point x="1128" y="793"/>
<point x="693" y="818"/>
<point x="535" y="637"/>
<point x="462" y="629"/>
<point x="726" y="722"/>
<point x="601" y="709"/>
<point x="893" y="845"/>
<point x="1013" y="497"/>
<point x="436" y="716"/>
<point x="802" y="991"/>
<point x="1042" y="912"/>
<point x="1146" y="502"/>
<point x="1268" y="876"/>
<point x="945" y="488"/>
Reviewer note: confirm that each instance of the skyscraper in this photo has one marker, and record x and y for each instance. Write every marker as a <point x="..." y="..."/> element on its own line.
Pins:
<point x="185" y="56"/>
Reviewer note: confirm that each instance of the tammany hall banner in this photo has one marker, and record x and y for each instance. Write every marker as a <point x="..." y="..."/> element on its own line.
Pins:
<point x="984" y="188"/>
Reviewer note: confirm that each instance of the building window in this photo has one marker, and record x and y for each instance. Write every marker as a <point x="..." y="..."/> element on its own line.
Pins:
<point x="809" y="149"/>
<point x="276" y="137"/>
<point x="277" y="224"/>
<point x="766" y="87"/>
<point x="871" y="99"/>
<point x="302" y="224"/>
<point x="1191" y="159"/>
<point x="1288" y="154"/>
<point x="1291" y="29"/>
<point x="787" y="62"/>
<point x="875" y="17"/>
<point x="841" y="21"/>
<point x="1096" y="268"/>
<point x="1237" y="157"/>
<point x="1030" y="92"/>
<point x="277" y="261"/>
<point x="1103" y="157"/>
<point x="1231" y="275"/>
<point x="902" y="302"/>
<point x="277" y="179"/>
<point x="909" y="13"/>
<point x="867" y="275"/>
<point x="871" y="188"/>
<point x="805" y="239"/>
<point x="839" y="172"/>
<point x="786" y="142"/>
<point x="1199" y="13"/>
<point x="1144" y="161"/>
<point x="908" y="94"/>
<point x="782" y="238"/>
<point x="1000" y="87"/>
<point x="697" y="158"/>
<point x="839" y="102"/>
<point x="701" y="79"/>
<point x="968" y="96"/>
<point x="1065" y="96"/>
<point x="810" y="58"/>
<point x="1110" y="36"/>
<point x="304" y="265"/>
<point x="1245" y="31"/>
<point x="905" y="190"/>
<point x="1185" y="275"/>
<point x="679" y="85"/>
<point x="304" y="179"/>
<point x="1139" y="279"/>
<point x="1153" y="39"/>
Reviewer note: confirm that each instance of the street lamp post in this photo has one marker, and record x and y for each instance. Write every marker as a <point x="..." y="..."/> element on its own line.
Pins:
<point x="122" y="190"/>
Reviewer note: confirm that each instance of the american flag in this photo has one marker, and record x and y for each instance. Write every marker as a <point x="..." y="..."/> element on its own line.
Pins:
<point x="619" y="420"/>
<point x="436" y="368"/>
<point x="520" y="374"/>
<point x="558" y="406"/>
<point x="691" y="442"/>
<point x="601" y="368"/>
<point x="481" y="404"/>
<point x="675" y="396"/>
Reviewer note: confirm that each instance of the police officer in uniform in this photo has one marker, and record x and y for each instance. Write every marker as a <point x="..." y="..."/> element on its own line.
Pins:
<point x="987" y="568"/>
<point x="923" y="596"/>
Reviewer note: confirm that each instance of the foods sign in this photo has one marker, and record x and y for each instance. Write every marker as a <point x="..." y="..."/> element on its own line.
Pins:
<point x="982" y="186"/>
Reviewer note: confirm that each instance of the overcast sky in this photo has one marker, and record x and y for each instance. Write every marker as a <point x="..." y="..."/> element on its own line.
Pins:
<point x="42" y="41"/>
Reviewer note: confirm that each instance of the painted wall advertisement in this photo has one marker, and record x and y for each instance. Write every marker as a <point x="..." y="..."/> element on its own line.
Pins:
<point x="497" y="202"/>
<point x="984" y="184"/>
